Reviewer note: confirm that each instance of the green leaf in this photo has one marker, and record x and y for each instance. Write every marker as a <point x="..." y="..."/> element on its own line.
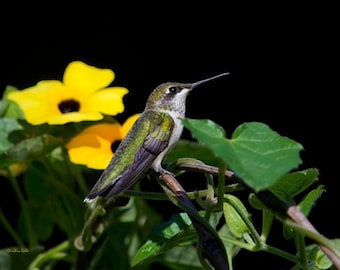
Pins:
<point x="294" y="183"/>
<point x="189" y="149"/>
<point x="112" y="251"/>
<point x="34" y="147"/>
<point x="288" y="186"/>
<point x="37" y="187"/>
<point x="175" y="226"/>
<point x="232" y="249"/>
<point x="63" y="206"/>
<point x="181" y="258"/>
<point x="233" y="219"/>
<point x="40" y="195"/>
<point x="255" y="202"/>
<point x="317" y="258"/>
<point x="42" y="221"/>
<point x="204" y="128"/>
<point x="306" y="206"/>
<point x="257" y="154"/>
<point x="309" y="200"/>
<point x="167" y="235"/>
<point x="4" y="260"/>
<point x="149" y="249"/>
<point x="7" y="128"/>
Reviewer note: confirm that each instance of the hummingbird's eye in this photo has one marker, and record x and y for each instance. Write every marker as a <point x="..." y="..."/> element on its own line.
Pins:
<point x="175" y="89"/>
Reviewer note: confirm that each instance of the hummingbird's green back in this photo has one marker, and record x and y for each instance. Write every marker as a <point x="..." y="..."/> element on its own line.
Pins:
<point x="148" y="137"/>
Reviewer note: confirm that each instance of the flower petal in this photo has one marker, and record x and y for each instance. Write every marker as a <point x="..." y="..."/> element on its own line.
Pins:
<point x="109" y="132"/>
<point x="100" y="162"/>
<point x="39" y="102"/>
<point x="108" y="101"/>
<point x="92" y="147"/>
<point x="87" y="150"/>
<point x="84" y="79"/>
<point x="73" y="117"/>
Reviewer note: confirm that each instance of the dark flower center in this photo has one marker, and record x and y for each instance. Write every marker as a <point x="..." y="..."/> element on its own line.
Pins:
<point x="114" y="146"/>
<point x="69" y="105"/>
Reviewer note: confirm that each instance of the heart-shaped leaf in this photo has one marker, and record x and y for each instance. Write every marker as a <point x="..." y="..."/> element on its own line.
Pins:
<point x="257" y="154"/>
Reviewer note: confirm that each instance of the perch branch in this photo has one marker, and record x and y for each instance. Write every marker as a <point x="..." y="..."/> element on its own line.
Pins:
<point x="209" y="244"/>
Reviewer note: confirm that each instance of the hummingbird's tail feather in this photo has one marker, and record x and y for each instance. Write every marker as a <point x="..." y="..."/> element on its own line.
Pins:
<point x="95" y="192"/>
<point x="142" y="162"/>
<point x="132" y="174"/>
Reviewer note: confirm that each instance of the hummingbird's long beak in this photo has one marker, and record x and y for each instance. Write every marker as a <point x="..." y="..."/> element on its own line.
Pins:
<point x="195" y="84"/>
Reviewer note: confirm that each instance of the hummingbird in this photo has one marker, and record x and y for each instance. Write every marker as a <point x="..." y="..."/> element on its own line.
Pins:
<point x="152" y="136"/>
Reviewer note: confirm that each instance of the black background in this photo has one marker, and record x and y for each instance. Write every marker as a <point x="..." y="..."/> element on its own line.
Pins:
<point x="281" y="59"/>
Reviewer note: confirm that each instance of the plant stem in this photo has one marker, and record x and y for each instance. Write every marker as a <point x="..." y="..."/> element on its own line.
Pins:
<point x="32" y="240"/>
<point x="280" y="252"/>
<point x="301" y="249"/>
<point x="53" y="253"/>
<point x="263" y="247"/>
<point x="220" y="186"/>
<point x="320" y="239"/>
<point x="191" y="194"/>
<point x="239" y="243"/>
<point x="10" y="230"/>
<point x="210" y="198"/>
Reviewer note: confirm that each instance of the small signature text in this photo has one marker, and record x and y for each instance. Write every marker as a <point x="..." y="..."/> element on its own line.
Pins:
<point x="17" y="250"/>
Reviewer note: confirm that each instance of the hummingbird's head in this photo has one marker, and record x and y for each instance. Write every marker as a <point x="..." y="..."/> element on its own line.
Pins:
<point x="171" y="96"/>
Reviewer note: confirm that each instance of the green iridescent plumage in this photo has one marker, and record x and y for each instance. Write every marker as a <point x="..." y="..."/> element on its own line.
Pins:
<point x="147" y="138"/>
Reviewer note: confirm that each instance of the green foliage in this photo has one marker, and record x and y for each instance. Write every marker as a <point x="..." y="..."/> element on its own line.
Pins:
<point x="167" y="235"/>
<point x="54" y="227"/>
<point x="7" y="126"/>
<point x="257" y="154"/>
<point x="233" y="219"/>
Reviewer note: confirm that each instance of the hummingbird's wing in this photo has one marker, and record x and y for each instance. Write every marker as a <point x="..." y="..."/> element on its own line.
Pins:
<point x="148" y="137"/>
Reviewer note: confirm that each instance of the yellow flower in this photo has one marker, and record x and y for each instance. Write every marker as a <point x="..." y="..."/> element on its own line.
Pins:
<point x="93" y="146"/>
<point x="83" y="95"/>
